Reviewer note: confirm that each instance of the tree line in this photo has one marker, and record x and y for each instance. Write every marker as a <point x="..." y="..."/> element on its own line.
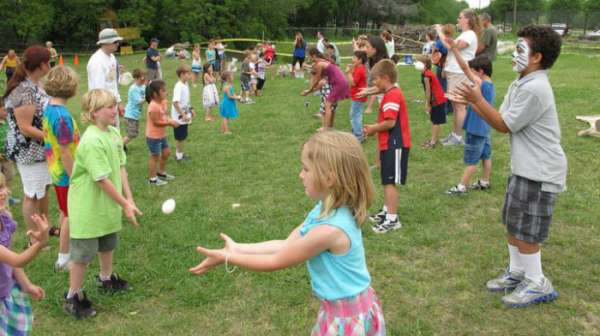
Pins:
<point x="75" y="23"/>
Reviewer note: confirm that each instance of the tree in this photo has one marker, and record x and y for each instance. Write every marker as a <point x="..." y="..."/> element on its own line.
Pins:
<point x="564" y="10"/>
<point x="28" y="19"/>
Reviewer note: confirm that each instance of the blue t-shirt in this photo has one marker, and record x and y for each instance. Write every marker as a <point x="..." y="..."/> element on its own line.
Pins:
<point x="333" y="276"/>
<point x="300" y="51"/>
<point x="135" y="98"/>
<point x="474" y="124"/>
<point x="440" y="46"/>
<point x="150" y="64"/>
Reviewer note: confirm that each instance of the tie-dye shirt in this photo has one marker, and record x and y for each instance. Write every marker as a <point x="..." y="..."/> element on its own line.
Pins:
<point x="59" y="130"/>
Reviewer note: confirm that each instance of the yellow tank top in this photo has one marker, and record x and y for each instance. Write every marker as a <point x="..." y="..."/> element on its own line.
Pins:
<point x="11" y="62"/>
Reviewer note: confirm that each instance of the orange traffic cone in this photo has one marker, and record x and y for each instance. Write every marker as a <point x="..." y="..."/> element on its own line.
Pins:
<point x="61" y="61"/>
<point x="76" y="60"/>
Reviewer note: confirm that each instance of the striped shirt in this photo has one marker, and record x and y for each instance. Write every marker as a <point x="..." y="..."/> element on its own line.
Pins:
<point x="393" y="106"/>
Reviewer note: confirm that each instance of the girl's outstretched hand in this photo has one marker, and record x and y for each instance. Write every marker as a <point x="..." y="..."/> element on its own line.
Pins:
<point x="36" y="292"/>
<point x="40" y="233"/>
<point x="213" y="257"/>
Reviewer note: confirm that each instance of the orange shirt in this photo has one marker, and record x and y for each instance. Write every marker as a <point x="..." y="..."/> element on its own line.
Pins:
<point x="157" y="120"/>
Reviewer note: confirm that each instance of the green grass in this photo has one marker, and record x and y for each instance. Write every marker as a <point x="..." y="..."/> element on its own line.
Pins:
<point x="429" y="275"/>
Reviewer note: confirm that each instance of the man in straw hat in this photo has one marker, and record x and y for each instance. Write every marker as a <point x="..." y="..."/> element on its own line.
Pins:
<point x="103" y="68"/>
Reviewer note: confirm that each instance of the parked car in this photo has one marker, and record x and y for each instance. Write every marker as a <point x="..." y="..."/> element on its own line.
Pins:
<point x="593" y="33"/>
<point x="561" y="28"/>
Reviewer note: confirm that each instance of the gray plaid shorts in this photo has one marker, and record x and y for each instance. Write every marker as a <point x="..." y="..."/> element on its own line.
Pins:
<point x="527" y="211"/>
<point x="325" y="90"/>
<point x="132" y="128"/>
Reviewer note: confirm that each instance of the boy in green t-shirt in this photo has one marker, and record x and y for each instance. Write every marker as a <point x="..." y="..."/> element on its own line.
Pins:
<point x="98" y="191"/>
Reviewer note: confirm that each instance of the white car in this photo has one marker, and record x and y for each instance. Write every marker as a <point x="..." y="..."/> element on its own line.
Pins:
<point x="560" y="28"/>
<point x="593" y="33"/>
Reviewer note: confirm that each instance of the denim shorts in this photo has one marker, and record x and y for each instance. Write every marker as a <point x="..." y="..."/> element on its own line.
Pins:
<point x="156" y="146"/>
<point x="476" y="148"/>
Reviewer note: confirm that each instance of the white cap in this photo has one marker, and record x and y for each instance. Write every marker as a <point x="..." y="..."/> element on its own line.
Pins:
<point x="108" y="36"/>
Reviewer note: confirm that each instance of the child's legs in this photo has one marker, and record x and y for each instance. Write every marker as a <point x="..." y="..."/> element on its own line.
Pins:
<point x="356" y="119"/>
<point x="153" y="165"/>
<point x="180" y="134"/>
<point x="435" y="133"/>
<point x="163" y="159"/>
<point x="329" y="115"/>
<point x="82" y="253"/>
<point x="486" y="159"/>
<point x="179" y="146"/>
<point x="467" y="174"/>
<point x="106" y="246"/>
<point x="437" y="115"/>
<point x="523" y="246"/>
<point x="394" y="170"/>
<point x="224" y="125"/>
<point x="76" y="276"/>
<point x="487" y="170"/>
<point x="390" y="198"/>
<point x="474" y="151"/>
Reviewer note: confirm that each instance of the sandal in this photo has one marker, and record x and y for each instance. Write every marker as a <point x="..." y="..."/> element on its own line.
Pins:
<point x="54" y="231"/>
<point x="428" y="145"/>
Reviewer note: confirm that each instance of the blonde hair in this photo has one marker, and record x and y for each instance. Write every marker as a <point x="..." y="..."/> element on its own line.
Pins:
<point x="95" y="100"/>
<point x="61" y="82"/>
<point x="339" y="156"/>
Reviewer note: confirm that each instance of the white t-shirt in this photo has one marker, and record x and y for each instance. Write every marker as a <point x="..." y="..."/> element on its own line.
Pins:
<point x="321" y="46"/>
<point x="391" y="48"/>
<point x="253" y="67"/>
<point x="467" y="53"/>
<point x="181" y="94"/>
<point x="102" y="73"/>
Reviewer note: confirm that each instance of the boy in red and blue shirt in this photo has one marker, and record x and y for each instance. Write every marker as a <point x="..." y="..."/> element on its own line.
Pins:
<point x="394" y="143"/>
<point x="357" y="77"/>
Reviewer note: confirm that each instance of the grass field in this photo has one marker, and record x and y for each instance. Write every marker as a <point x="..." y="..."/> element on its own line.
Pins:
<point x="429" y="275"/>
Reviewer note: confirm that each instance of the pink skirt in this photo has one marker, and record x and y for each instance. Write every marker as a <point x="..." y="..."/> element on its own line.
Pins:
<point x="357" y="316"/>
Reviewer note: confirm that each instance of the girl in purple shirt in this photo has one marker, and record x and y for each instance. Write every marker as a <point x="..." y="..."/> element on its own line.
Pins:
<point x="16" y="317"/>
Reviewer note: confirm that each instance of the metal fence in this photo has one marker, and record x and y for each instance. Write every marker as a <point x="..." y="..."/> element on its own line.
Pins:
<point x="579" y="22"/>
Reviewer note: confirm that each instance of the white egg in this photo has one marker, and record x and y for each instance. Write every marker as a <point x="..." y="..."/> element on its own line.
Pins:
<point x="168" y="206"/>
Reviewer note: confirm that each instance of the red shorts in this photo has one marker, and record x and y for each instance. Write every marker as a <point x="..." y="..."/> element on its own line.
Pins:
<point x="61" y="196"/>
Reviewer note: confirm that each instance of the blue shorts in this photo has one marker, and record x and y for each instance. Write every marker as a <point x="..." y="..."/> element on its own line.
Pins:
<point x="157" y="146"/>
<point x="245" y="84"/>
<point x="476" y="148"/>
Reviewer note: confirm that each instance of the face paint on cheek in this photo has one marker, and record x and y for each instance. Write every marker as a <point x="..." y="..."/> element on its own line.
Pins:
<point x="521" y="56"/>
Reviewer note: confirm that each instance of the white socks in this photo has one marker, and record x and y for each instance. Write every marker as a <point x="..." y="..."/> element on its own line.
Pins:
<point x="391" y="217"/>
<point x="461" y="187"/>
<point x="178" y="155"/>
<point x="384" y="208"/>
<point x="532" y="263"/>
<point x="72" y="293"/>
<point x="63" y="259"/>
<point x="515" y="264"/>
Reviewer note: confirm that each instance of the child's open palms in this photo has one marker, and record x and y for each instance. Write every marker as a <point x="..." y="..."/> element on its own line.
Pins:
<point x="40" y="232"/>
<point x="214" y="257"/>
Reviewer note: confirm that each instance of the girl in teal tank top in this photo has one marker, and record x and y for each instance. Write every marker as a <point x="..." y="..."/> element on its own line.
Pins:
<point x="335" y="173"/>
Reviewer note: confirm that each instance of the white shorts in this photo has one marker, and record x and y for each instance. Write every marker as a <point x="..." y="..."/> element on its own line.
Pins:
<point x="35" y="178"/>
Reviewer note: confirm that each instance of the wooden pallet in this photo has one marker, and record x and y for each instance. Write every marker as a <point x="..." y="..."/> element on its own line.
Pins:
<point x="594" y="121"/>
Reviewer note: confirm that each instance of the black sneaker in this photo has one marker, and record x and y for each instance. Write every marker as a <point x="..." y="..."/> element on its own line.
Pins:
<point x="378" y="218"/>
<point x="480" y="186"/>
<point x="114" y="284"/>
<point x="79" y="308"/>
<point x="165" y="176"/>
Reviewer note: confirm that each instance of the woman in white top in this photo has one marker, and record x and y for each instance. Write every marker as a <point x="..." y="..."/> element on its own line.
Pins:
<point x="467" y="41"/>
<point x="386" y="35"/>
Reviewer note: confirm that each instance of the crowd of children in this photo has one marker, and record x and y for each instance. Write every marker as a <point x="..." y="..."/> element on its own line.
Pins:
<point x="89" y="175"/>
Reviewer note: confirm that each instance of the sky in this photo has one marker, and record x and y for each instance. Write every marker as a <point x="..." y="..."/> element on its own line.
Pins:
<point x="475" y="3"/>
